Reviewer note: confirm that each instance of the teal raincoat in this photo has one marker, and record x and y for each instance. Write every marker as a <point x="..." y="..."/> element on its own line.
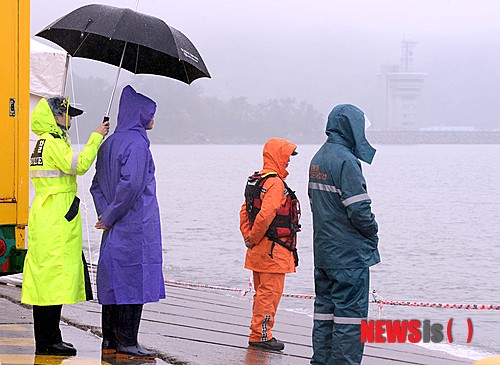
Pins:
<point x="345" y="238"/>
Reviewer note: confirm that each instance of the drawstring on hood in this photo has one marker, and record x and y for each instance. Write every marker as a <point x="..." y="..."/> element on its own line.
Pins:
<point x="346" y="125"/>
<point x="43" y="117"/>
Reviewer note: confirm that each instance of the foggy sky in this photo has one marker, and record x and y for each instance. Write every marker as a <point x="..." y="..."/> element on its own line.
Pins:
<point x="328" y="52"/>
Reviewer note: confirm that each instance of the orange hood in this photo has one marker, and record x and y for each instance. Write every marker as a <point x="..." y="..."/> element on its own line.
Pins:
<point x="276" y="154"/>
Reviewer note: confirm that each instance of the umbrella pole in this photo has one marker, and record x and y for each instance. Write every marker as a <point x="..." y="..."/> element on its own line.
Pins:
<point x="106" y="117"/>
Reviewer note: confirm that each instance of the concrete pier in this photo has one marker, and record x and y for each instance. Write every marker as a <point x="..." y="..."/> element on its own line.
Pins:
<point x="190" y="327"/>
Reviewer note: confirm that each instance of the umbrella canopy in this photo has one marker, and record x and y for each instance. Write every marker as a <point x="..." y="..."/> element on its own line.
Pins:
<point x="148" y="45"/>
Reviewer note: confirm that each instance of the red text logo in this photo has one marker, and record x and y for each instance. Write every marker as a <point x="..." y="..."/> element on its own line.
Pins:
<point x="401" y="331"/>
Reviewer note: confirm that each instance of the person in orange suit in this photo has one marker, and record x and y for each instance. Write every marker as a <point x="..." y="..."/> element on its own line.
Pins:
<point x="269" y="223"/>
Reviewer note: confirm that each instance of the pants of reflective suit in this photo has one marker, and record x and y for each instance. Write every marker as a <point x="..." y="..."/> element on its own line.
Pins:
<point x="341" y="303"/>
<point x="268" y="291"/>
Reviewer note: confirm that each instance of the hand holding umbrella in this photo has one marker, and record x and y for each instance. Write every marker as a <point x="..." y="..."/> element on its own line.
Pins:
<point x="103" y="128"/>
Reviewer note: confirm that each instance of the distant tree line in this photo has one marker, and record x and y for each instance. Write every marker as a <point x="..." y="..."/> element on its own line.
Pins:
<point x="185" y="115"/>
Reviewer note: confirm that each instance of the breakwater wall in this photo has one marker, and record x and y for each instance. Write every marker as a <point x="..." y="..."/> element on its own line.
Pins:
<point x="442" y="137"/>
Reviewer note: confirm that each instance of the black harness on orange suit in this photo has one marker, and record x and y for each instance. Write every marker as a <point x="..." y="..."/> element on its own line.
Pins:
<point x="285" y="225"/>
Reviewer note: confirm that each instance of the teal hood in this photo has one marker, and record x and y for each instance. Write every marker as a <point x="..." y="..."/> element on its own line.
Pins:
<point x="346" y="125"/>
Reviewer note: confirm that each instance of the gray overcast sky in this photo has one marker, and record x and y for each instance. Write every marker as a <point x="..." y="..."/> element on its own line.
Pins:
<point x="328" y="52"/>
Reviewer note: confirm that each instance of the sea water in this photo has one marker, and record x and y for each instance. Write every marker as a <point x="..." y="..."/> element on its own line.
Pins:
<point x="438" y="209"/>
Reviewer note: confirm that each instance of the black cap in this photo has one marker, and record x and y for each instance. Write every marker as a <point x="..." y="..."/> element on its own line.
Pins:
<point x="74" y="112"/>
<point x="294" y="153"/>
<point x="59" y="105"/>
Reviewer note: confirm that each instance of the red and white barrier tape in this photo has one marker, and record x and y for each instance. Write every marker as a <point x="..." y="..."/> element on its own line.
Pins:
<point x="380" y="301"/>
<point x="376" y="299"/>
<point x="440" y="305"/>
<point x="206" y="286"/>
<point x="299" y="296"/>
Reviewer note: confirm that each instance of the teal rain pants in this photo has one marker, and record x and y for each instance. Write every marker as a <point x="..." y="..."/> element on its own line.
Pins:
<point x="340" y="305"/>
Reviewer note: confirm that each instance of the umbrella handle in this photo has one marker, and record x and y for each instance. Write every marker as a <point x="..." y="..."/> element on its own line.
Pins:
<point x="105" y="119"/>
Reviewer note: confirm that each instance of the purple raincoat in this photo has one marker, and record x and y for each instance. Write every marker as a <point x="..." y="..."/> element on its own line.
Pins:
<point x="124" y="192"/>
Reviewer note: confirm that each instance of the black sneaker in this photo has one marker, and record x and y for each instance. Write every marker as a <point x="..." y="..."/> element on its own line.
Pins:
<point x="272" y="344"/>
<point x="58" y="349"/>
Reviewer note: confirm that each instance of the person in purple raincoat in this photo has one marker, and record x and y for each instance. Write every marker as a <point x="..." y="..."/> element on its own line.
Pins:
<point x="129" y="272"/>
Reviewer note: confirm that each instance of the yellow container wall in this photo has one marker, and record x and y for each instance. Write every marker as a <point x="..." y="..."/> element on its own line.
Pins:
<point x="14" y="114"/>
<point x="9" y="88"/>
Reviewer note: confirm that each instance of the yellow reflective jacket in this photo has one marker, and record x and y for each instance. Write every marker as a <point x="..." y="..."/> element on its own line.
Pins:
<point x="53" y="269"/>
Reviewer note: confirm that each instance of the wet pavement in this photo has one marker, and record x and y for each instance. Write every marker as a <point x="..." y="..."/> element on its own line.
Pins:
<point x="17" y="344"/>
<point x="190" y="327"/>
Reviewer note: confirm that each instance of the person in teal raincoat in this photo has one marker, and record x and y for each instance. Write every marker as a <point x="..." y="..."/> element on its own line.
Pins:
<point x="345" y="238"/>
<point x="53" y="270"/>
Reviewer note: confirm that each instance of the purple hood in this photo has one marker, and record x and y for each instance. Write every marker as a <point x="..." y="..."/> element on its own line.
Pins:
<point x="135" y="113"/>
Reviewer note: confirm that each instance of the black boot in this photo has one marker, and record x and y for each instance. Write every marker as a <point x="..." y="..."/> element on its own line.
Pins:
<point x="109" y="318"/>
<point x="272" y="344"/>
<point x="135" y="352"/>
<point x="48" y="337"/>
<point x="129" y="318"/>
<point x="58" y="349"/>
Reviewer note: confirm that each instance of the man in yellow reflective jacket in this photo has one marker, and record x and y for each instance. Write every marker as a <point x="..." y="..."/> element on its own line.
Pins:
<point x="53" y="269"/>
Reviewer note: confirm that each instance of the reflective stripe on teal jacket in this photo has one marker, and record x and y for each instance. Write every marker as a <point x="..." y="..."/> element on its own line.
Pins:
<point x="345" y="230"/>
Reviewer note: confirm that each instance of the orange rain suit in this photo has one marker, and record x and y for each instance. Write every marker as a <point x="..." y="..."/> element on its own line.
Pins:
<point x="268" y="272"/>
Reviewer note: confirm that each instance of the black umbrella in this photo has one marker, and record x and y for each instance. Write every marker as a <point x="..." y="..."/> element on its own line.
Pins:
<point x="137" y="42"/>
